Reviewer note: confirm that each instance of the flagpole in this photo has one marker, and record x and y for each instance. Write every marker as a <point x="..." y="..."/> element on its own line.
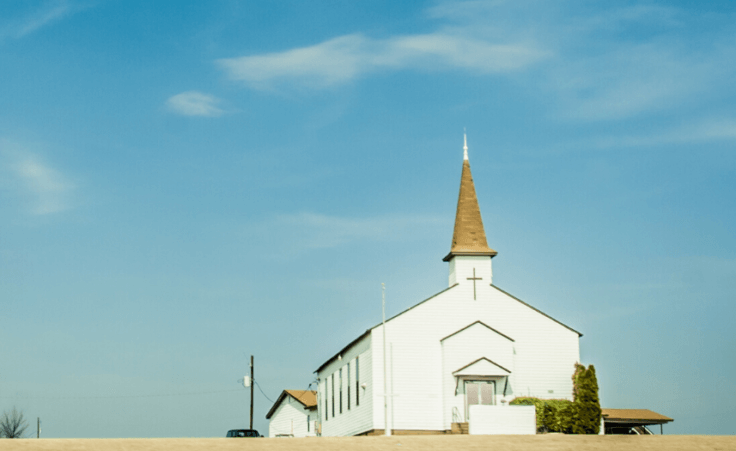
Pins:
<point x="387" y="430"/>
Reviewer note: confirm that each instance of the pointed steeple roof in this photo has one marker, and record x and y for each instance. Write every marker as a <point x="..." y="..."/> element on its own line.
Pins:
<point x="469" y="237"/>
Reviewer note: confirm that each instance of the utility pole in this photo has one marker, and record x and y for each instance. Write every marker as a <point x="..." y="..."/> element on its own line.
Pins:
<point x="38" y="427"/>
<point x="252" y="383"/>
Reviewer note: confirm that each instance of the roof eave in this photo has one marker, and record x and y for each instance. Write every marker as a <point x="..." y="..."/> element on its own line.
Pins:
<point x="367" y="332"/>
<point x="489" y="253"/>
<point x="538" y="311"/>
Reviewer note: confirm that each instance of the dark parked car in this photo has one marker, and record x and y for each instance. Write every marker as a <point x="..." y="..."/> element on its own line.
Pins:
<point x="243" y="433"/>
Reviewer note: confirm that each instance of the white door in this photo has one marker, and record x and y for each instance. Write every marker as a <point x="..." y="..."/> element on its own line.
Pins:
<point x="478" y="392"/>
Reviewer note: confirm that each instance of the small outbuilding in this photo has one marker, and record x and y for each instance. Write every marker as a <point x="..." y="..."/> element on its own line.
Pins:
<point x="294" y="414"/>
<point x="632" y="421"/>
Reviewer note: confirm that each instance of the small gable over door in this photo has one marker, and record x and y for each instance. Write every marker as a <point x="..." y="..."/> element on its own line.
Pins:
<point x="475" y="353"/>
<point x="481" y="367"/>
<point x="476" y="341"/>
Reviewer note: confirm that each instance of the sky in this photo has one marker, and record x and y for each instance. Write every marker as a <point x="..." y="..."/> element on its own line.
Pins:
<point x="185" y="184"/>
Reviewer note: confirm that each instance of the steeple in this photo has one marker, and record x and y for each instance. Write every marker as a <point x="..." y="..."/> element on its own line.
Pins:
<point x="469" y="237"/>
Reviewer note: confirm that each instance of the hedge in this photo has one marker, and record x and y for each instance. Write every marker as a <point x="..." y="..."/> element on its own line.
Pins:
<point x="581" y="416"/>
<point x="553" y="415"/>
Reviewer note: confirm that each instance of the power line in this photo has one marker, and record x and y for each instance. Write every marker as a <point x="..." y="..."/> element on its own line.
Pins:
<point x="157" y="395"/>
<point x="264" y="394"/>
<point x="722" y="414"/>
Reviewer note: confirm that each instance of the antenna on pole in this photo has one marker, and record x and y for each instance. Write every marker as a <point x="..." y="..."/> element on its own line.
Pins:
<point x="387" y="430"/>
<point x="465" y="145"/>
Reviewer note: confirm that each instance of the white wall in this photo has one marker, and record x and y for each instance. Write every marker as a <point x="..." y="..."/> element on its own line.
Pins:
<point x="462" y="267"/>
<point x="358" y="418"/>
<point x="542" y="356"/>
<point x="543" y="353"/>
<point x="465" y="347"/>
<point x="291" y="418"/>
<point x="486" y="420"/>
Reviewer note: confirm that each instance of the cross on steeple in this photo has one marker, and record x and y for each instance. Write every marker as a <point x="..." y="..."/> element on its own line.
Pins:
<point x="474" y="279"/>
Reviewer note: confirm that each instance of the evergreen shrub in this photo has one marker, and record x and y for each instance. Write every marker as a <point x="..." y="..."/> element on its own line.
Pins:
<point x="553" y="415"/>
<point x="580" y="416"/>
<point x="585" y="395"/>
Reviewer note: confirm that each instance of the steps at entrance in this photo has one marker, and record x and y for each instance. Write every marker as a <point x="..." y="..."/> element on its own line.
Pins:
<point x="460" y="428"/>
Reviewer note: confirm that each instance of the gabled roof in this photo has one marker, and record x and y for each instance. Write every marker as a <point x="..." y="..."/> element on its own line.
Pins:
<point x="645" y="416"/>
<point x="537" y="310"/>
<point x="469" y="236"/>
<point x="482" y="324"/>
<point x="368" y="331"/>
<point x="308" y="398"/>
<point x="469" y="368"/>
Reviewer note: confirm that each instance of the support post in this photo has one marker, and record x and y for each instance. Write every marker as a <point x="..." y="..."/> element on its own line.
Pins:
<point x="386" y="430"/>
<point x="252" y="383"/>
<point x="38" y="427"/>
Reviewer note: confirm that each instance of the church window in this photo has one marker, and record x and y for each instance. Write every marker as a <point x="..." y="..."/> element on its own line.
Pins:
<point x="339" y="381"/>
<point x="332" y="390"/>
<point x="327" y="410"/>
<point x="357" y="382"/>
<point x="308" y="420"/>
<point x="348" y="385"/>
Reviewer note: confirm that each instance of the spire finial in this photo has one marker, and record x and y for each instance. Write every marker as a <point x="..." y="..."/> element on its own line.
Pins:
<point x="465" y="145"/>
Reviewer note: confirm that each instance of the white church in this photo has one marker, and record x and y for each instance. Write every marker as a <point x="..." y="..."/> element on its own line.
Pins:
<point x="468" y="345"/>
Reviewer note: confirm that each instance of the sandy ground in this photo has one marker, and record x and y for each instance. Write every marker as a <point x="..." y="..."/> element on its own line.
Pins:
<point x="550" y="442"/>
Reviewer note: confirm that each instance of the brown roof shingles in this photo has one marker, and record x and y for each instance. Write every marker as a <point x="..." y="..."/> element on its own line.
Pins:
<point x="306" y="397"/>
<point x="633" y="415"/>
<point x="469" y="236"/>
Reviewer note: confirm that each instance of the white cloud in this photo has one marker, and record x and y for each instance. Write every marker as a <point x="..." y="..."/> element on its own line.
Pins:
<point x="194" y="103"/>
<point x="46" y="189"/>
<point x="344" y="58"/>
<point x="610" y="61"/>
<point x="583" y="62"/>
<point x="702" y="131"/>
<point x="629" y="80"/>
<point x="306" y="231"/>
<point x="52" y="12"/>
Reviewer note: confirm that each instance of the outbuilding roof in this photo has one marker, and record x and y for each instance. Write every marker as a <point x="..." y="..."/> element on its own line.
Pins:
<point x="642" y="416"/>
<point x="308" y="398"/>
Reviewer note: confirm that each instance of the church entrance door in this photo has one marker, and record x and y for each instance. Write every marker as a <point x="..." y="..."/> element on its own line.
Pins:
<point x="478" y="392"/>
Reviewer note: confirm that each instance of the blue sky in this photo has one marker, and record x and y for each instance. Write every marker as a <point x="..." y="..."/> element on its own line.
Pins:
<point x="184" y="184"/>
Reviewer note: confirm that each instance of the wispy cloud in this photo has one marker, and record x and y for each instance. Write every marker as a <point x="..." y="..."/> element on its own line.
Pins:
<point x="630" y="80"/>
<point x="194" y="103"/>
<point x="45" y="189"/>
<point x="584" y="62"/>
<point x="50" y="13"/>
<point x="345" y="58"/>
<point x="708" y="130"/>
<point x="307" y="230"/>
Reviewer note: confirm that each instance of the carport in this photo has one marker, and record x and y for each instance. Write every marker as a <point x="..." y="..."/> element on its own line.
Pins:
<point x="632" y="421"/>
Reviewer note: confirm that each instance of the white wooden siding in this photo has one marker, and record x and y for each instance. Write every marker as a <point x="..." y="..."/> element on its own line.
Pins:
<point x="542" y="356"/>
<point x="291" y="418"/>
<point x="359" y="418"/>
<point x="462" y="348"/>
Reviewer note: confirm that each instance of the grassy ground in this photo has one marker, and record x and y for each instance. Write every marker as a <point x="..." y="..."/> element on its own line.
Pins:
<point x="550" y="442"/>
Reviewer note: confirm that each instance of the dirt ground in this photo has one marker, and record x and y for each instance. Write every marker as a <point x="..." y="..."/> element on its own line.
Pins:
<point x="549" y="442"/>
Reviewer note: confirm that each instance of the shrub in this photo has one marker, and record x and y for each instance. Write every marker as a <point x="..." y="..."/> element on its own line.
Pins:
<point x="553" y="415"/>
<point x="13" y="424"/>
<point x="585" y="394"/>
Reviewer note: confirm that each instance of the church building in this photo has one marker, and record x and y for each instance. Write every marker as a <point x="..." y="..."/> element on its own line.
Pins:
<point x="472" y="343"/>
